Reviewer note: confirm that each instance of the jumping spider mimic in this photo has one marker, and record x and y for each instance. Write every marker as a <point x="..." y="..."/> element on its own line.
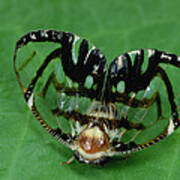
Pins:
<point x="107" y="94"/>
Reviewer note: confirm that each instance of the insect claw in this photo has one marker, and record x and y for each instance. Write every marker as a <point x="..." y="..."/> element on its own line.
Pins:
<point x="68" y="161"/>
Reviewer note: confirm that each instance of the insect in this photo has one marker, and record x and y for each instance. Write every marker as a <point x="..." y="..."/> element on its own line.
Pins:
<point x="105" y="107"/>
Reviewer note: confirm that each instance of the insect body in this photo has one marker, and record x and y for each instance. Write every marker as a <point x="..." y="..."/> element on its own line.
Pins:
<point x="98" y="128"/>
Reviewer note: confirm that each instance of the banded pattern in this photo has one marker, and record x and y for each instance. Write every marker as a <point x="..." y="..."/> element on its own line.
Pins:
<point x="73" y="87"/>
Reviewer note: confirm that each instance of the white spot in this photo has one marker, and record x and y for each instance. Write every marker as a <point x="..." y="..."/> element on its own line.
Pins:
<point x="85" y="61"/>
<point x="70" y="38"/>
<point x="59" y="36"/>
<point x="148" y="88"/>
<point x="32" y="36"/>
<point x="96" y="67"/>
<point x="147" y="92"/>
<point x="76" y="38"/>
<point x="30" y="101"/>
<point x="63" y="94"/>
<point x="61" y="101"/>
<point x="118" y="145"/>
<point x="128" y="151"/>
<point x="120" y="62"/>
<point x="166" y="56"/>
<point x="150" y="52"/>
<point x="44" y="33"/>
<point x="178" y="58"/>
<point x="62" y="104"/>
<point x="101" y="55"/>
<point x="171" y="127"/>
<point x="24" y="39"/>
<point x="175" y="123"/>
<point x="135" y="52"/>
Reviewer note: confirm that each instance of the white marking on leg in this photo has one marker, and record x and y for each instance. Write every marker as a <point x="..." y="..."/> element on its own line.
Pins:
<point x="166" y="56"/>
<point x="44" y="33"/>
<point x="95" y="69"/>
<point x="53" y="35"/>
<point x="33" y="36"/>
<point x="101" y="55"/>
<point x="151" y="52"/>
<point x="171" y="127"/>
<point x="85" y="61"/>
<point x="178" y="58"/>
<point x="60" y="35"/>
<point x="24" y="39"/>
<point x="120" y="62"/>
<point x="70" y="38"/>
<point x="30" y="101"/>
<point x="76" y="38"/>
<point x="135" y="52"/>
<point x="72" y="130"/>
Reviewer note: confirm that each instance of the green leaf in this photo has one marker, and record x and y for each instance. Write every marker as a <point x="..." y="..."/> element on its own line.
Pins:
<point x="26" y="150"/>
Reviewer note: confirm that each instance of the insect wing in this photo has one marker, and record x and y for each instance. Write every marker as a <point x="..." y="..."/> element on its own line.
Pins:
<point x="144" y="116"/>
<point x="63" y="72"/>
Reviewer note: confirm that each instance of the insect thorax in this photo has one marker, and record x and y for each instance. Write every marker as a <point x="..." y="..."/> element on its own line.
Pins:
<point x="102" y="110"/>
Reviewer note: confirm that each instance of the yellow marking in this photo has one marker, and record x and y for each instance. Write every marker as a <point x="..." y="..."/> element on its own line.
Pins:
<point x="26" y="62"/>
<point x="24" y="89"/>
<point x="94" y="132"/>
<point x="131" y="99"/>
<point x="97" y="113"/>
<point x="67" y="162"/>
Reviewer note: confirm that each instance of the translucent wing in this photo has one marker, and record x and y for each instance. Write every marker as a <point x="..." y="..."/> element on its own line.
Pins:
<point x="139" y="86"/>
<point x="59" y="74"/>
